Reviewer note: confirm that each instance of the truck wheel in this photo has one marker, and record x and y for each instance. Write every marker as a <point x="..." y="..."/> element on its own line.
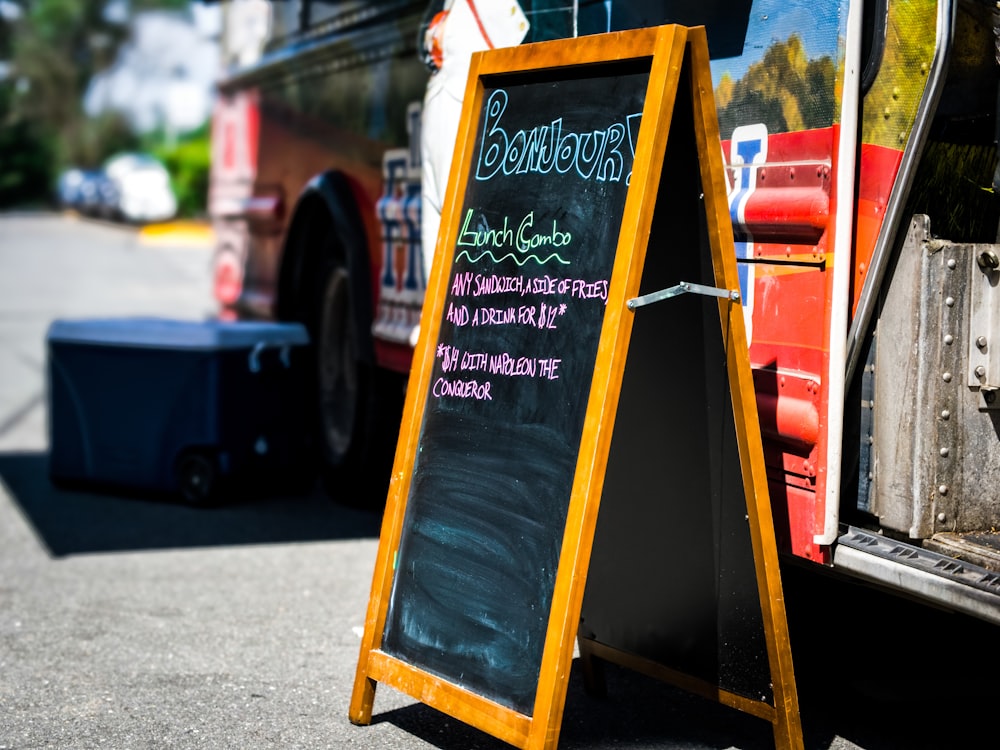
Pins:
<point x="356" y="439"/>
<point x="340" y="379"/>
<point x="197" y="475"/>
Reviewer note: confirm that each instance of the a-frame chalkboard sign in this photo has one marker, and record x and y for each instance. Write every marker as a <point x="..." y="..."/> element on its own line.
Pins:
<point x="557" y="185"/>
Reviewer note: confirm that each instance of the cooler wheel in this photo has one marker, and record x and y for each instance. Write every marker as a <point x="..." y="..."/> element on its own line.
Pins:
<point x="197" y="477"/>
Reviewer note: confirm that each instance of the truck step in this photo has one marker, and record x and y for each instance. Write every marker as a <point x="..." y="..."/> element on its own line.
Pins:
<point x="922" y="573"/>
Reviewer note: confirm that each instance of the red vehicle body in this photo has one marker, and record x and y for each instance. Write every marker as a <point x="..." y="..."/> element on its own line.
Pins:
<point x="842" y="127"/>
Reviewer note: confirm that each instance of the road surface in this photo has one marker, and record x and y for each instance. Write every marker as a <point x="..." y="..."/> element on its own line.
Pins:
<point x="129" y="622"/>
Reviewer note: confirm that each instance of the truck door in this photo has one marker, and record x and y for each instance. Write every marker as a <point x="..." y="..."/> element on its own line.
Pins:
<point x="788" y="104"/>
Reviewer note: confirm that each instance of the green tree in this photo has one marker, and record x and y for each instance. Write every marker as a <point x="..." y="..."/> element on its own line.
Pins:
<point x="25" y="157"/>
<point x="55" y="48"/>
<point x="188" y="159"/>
<point x="785" y="90"/>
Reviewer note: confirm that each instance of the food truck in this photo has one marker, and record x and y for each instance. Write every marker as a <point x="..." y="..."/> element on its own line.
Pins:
<point x="860" y="150"/>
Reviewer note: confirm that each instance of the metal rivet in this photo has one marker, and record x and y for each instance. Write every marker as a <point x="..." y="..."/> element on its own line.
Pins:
<point x="949" y="339"/>
<point x="942" y="517"/>
<point x="946" y="377"/>
<point x="980" y="371"/>
<point x="952" y="263"/>
<point x="944" y="452"/>
<point x="943" y="489"/>
<point x="950" y="301"/>
<point x="981" y="342"/>
<point x="945" y="414"/>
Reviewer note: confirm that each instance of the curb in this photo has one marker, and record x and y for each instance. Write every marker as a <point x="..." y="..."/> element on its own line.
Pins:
<point x="186" y="233"/>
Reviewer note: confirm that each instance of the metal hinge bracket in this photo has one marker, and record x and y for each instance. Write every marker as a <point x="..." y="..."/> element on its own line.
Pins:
<point x="682" y="288"/>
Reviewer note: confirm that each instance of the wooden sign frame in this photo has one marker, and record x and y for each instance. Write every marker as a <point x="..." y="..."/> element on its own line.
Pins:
<point x="665" y="49"/>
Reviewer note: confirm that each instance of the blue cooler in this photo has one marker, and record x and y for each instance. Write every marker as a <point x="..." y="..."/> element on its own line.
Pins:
<point x="195" y="408"/>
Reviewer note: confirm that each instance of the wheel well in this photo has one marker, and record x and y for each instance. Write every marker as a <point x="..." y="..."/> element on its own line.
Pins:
<point x="325" y="231"/>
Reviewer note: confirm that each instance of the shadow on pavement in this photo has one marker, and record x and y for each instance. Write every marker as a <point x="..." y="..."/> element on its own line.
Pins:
<point x="853" y="685"/>
<point x="638" y="712"/>
<point x="78" y="520"/>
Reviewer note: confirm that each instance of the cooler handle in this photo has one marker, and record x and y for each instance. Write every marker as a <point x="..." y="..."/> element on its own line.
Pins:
<point x="254" y="358"/>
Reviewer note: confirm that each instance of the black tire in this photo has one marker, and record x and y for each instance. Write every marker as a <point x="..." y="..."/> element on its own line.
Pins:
<point x="358" y="406"/>
<point x="340" y="380"/>
<point x="197" y="475"/>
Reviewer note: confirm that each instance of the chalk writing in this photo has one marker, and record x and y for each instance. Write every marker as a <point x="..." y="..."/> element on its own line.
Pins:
<point x="454" y="359"/>
<point x="536" y="316"/>
<point x="472" y="284"/>
<point x="462" y="389"/>
<point x="524" y="240"/>
<point x="519" y="244"/>
<point x="503" y="364"/>
<point x="525" y="204"/>
<point x="595" y="154"/>
<point x="522" y="260"/>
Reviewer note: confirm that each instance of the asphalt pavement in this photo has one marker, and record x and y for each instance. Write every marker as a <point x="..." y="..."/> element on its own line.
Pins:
<point x="130" y="621"/>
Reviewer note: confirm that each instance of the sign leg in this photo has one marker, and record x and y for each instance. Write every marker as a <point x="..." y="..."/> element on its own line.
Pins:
<point x="362" y="700"/>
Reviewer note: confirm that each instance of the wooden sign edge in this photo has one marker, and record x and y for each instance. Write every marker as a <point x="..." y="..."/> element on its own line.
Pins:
<point x="786" y="719"/>
<point x="664" y="46"/>
<point x="783" y="713"/>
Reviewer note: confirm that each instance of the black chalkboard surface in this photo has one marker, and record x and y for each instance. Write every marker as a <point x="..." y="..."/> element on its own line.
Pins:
<point x="493" y="504"/>
<point x="513" y="366"/>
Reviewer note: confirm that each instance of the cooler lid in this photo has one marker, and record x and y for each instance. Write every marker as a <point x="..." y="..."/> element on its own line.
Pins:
<point x="165" y="333"/>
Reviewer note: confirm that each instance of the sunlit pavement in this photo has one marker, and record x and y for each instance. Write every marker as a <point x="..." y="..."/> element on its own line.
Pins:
<point x="131" y="622"/>
<point x="177" y="233"/>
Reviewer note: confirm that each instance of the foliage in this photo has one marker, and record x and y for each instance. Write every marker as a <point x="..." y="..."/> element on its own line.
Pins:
<point x="26" y="155"/>
<point x="783" y="90"/>
<point x="188" y="161"/>
<point x="953" y="186"/>
<point x="102" y="136"/>
<point x="55" y="48"/>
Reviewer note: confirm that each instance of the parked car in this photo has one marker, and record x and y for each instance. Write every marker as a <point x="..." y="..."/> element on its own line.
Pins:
<point x="85" y="190"/>
<point x="130" y="187"/>
<point x="141" y="188"/>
